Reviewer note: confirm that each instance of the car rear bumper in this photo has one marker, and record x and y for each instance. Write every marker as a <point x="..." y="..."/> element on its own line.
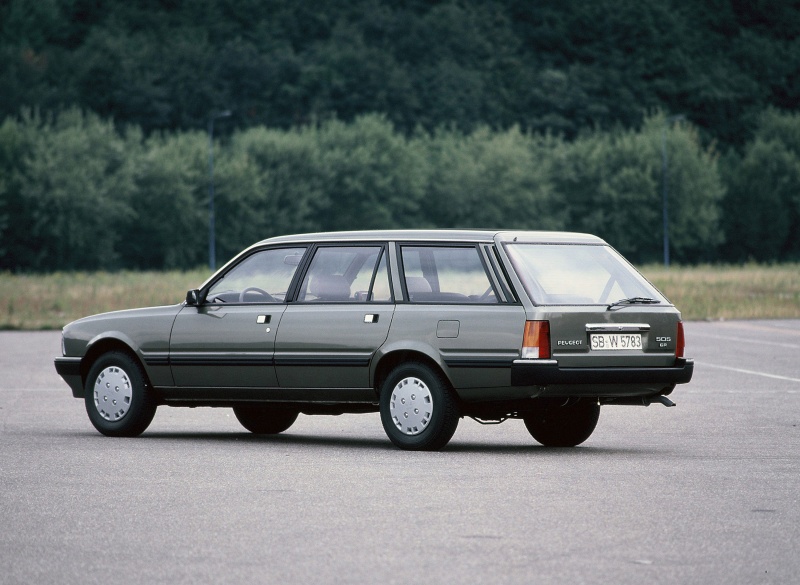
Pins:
<point x="548" y="373"/>
<point x="69" y="368"/>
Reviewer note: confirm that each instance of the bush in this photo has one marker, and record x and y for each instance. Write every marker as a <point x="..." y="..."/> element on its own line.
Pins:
<point x="612" y="185"/>
<point x="490" y="179"/>
<point x="76" y="193"/>
<point x="762" y="209"/>
<point x="69" y="182"/>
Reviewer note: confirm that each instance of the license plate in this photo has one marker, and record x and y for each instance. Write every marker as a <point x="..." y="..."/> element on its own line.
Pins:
<point x="615" y="341"/>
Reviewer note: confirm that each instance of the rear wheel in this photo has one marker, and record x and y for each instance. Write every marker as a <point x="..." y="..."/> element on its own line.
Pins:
<point x="264" y="419"/>
<point x="417" y="407"/>
<point x="562" y="422"/>
<point x="118" y="398"/>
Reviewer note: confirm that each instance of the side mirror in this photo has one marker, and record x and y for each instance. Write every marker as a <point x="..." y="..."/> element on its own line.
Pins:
<point x="193" y="297"/>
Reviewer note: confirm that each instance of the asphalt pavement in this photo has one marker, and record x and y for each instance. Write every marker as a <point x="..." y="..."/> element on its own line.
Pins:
<point x="706" y="492"/>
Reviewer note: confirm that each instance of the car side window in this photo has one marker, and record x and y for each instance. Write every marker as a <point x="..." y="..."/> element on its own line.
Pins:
<point x="443" y="274"/>
<point x="263" y="277"/>
<point x="346" y="274"/>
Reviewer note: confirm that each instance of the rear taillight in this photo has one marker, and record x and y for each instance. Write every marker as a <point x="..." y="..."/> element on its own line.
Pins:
<point x="536" y="340"/>
<point x="680" y="344"/>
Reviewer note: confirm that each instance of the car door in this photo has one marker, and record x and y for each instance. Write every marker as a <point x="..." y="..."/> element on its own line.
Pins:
<point x="329" y="334"/>
<point x="228" y="341"/>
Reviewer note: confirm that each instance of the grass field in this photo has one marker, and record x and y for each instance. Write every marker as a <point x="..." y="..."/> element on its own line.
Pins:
<point x="725" y="292"/>
<point x="51" y="301"/>
<point x="700" y="292"/>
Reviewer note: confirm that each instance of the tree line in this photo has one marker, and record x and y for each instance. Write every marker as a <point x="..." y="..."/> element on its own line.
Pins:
<point x="77" y="192"/>
<point x="409" y="113"/>
<point x="543" y="65"/>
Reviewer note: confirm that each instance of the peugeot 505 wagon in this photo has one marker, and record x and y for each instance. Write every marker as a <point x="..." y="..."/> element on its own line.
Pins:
<point x="424" y="327"/>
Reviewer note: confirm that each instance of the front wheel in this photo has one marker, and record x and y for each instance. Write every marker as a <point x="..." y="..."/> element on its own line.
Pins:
<point x="562" y="422"/>
<point x="418" y="410"/>
<point x="118" y="399"/>
<point x="265" y="420"/>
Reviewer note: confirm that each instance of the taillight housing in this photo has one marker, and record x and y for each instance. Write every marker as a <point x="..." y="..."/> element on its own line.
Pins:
<point x="536" y="340"/>
<point x="680" y="343"/>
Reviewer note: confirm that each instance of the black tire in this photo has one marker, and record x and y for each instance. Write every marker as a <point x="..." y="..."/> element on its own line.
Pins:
<point x="562" y="423"/>
<point x="262" y="419"/>
<point x="418" y="410"/>
<point x="118" y="397"/>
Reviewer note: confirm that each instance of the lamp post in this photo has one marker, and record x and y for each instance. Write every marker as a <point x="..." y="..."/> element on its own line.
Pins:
<point x="212" y="244"/>
<point x="665" y="183"/>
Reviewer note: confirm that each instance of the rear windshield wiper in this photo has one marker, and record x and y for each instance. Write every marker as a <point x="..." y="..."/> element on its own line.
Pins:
<point x="633" y="301"/>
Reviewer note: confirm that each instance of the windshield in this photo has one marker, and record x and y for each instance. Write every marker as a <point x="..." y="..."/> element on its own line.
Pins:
<point x="570" y="274"/>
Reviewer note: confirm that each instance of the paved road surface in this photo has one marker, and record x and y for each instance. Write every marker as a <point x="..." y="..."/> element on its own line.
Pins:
<point x="706" y="492"/>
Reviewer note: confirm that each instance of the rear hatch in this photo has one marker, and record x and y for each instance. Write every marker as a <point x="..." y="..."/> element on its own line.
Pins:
<point x="601" y="311"/>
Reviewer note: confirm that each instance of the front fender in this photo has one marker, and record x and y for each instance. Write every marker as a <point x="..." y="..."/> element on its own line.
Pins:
<point x="145" y="332"/>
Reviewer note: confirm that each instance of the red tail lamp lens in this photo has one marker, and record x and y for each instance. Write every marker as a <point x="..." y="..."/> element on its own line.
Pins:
<point x="680" y="345"/>
<point x="536" y="340"/>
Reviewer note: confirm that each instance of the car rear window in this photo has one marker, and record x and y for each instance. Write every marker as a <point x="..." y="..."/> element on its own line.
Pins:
<point x="571" y="274"/>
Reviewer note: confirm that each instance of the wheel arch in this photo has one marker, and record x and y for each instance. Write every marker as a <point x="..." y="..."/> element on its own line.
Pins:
<point x="105" y="344"/>
<point x="389" y="361"/>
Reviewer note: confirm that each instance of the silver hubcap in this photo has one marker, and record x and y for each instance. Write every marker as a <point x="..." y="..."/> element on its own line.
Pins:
<point x="112" y="393"/>
<point x="411" y="406"/>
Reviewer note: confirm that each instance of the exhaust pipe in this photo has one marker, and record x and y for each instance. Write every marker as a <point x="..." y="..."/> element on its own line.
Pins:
<point x="639" y="401"/>
<point x="663" y="400"/>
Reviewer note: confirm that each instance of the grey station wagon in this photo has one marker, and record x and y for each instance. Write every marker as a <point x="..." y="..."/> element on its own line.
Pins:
<point x="424" y="327"/>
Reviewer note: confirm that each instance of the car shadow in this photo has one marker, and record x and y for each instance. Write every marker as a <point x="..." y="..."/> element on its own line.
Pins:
<point x="541" y="450"/>
<point x="379" y="444"/>
<point x="281" y="439"/>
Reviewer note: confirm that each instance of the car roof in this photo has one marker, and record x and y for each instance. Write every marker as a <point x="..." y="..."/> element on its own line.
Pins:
<point x="431" y="235"/>
<point x="438" y="235"/>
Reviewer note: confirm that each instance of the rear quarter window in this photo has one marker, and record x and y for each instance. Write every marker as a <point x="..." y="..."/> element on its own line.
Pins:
<point x="443" y="274"/>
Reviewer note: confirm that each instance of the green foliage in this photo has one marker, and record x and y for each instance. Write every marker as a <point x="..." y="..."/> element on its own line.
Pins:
<point x="694" y="190"/>
<point x="76" y="193"/>
<point x="363" y="113"/>
<point x="34" y="24"/>
<point x="169" y="204"/>
<point x="269" y="183"/>
<point x="70" y="191"/>
<point x="372" y="176"/>
<point x="490" y="179"/>
<point x="609" y="190"/>
<point x="12" y="148"/>
<point x="550" y="65"/>
<point x="762" y="209"/>
<point x="612" y="184"/>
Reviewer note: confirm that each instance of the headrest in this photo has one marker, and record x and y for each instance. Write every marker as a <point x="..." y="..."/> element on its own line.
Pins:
<point x="330" y="287"/>
<point x="417" y="284"/>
